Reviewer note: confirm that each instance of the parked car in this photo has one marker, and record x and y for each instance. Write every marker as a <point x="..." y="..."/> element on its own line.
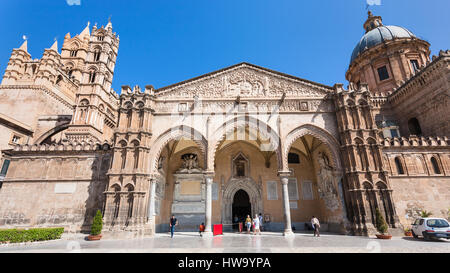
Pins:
<point x="431" y="228"/>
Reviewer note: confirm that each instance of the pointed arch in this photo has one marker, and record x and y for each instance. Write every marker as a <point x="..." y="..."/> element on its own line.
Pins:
<point x="51" y="132"/>
<point x="319" y="133"/>
<point x="175" y="133"/>
<point x="231" y="125"/>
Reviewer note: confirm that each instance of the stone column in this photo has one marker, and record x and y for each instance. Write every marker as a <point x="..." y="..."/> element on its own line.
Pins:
<point x="151" y="209"/>
<point x="284" y="178"/>
<point x="123" y="210"/>
<point x="208" y="204"/>
<point x="109" y="208"/>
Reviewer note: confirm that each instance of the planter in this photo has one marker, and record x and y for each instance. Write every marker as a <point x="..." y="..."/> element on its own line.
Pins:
<point x="94" y="237"/>
<point x="384" y="236"/>
<point x="408" y="233"/>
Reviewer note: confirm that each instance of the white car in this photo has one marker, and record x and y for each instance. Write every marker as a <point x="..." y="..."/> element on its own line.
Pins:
<point x="431" y="228"/>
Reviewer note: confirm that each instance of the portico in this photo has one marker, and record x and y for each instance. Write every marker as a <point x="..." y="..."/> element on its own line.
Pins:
<point x="209" y="144"/>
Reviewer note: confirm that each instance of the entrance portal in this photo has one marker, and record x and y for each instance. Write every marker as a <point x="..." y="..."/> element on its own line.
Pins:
<point x="241" y="207"/>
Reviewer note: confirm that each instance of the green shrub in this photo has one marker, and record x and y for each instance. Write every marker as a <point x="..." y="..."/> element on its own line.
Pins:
<point x="97" y="225"/>
<point x="425" y="214"/>
<point x="382" y="226"/>
<point x="30" y="235"/>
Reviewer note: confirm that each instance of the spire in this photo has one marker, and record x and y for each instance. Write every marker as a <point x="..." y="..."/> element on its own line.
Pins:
<point x="372" y="22"/>
<point x="67" y="36"/>
<point x="24" y="46"/>
<point x="55" y="46"/>
<point x="109" y="25"/>
<point x="86" y="31"/>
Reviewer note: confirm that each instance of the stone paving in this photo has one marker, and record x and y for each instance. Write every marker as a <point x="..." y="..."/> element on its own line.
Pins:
<point x="236" y="243"/>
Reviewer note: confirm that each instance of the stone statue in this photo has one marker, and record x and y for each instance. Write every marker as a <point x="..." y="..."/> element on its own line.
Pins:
<point x="325" y="173"/>
<point x="190" y="162"/>
<point x="327" y="182"/>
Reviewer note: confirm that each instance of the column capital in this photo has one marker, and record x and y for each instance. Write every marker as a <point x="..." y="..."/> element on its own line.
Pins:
<point x="209" y="175"/>
<point x="284" y="174"/>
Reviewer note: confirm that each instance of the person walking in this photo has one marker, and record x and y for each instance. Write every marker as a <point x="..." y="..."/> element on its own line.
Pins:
<point x="256" y="225"/>
<point x="248" y="223"/>
<point x="316" y="226"/>
<point x="201" y="229"/>
<point x="261" y="222"/>
<point x="173" y="222"/>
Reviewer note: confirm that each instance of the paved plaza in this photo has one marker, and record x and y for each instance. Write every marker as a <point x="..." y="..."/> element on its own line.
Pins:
<point x="235" y="243"/>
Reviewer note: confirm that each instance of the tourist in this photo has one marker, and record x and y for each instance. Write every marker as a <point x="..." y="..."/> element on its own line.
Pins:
<point x="256" y="225"/>
<point x="173" y="222"/>
<point x="261" y="222"/>
<point x="201" y="229"/>
<point x="316" y="226"/>
<point x="248" y="223"/>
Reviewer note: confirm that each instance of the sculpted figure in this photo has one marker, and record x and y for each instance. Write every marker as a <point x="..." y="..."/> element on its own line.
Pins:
<point x="326" y="177"/>
<point x="190" y="161"/>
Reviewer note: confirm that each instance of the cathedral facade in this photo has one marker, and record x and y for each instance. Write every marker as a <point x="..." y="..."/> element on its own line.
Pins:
<point x="239" y="141"/>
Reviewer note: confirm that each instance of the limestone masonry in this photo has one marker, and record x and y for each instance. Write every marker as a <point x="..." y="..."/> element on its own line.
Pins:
<point x="239" y="141"/>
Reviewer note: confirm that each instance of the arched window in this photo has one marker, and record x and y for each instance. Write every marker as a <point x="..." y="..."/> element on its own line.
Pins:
<point x="399" y="166"/>
<point x="130" y="201"/>
<point x="33" y="68"/>
<point x="73" y="53"/>
<point x="414" y="127"/>
<point x="97" y="53"/>
<point x="136" y="154"/>
<point x="92" y="75"/>
<point x="435" y="164"/>
<point x="123" y="154"/>
<point x="58" y="79"/>
<point x="240" y="166"/>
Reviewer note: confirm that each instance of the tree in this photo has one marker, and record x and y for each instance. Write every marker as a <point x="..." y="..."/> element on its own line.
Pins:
<point x="97" y="225"/>
<point x="382" y="226"/>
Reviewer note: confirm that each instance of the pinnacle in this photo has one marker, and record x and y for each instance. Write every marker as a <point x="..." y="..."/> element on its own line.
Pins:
<point x="55" y="46"/>
<point x="24" y="46"/>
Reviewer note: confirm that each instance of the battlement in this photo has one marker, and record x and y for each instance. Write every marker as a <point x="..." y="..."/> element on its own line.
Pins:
<point x="415" y="141"/>
<point x="405" y="87"/>
<point x="128" y="91"/>
<point x="64" y="147"/>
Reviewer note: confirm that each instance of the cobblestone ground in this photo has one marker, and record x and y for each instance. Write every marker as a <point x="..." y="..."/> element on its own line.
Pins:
<point x="237" y="243"/>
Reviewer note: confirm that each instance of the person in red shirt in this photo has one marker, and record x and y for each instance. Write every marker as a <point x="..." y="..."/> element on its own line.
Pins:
<point x="201" y="229"/>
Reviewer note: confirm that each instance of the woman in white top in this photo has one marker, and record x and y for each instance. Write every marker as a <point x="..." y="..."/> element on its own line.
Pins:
<point x="256" y="225"/>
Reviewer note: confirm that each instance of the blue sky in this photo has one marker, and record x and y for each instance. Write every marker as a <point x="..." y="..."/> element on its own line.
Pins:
<point x="164" y="42"/>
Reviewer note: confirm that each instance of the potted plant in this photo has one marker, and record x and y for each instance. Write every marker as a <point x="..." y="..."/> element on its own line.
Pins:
<point x="382" y="226"/>
<point x="408" y="232"/>
<point x="96" y="228"/>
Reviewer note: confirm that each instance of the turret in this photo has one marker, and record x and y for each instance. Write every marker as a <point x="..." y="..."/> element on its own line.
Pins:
<point x="49" y="65"/>
<point x="17" y="64"/>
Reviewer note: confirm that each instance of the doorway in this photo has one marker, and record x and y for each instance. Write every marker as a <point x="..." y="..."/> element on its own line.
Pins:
<point x="241" y="208"/>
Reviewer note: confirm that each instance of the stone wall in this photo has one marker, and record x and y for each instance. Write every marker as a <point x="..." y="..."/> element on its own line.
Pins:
<point x="416" y="182"/>
<point x="424" y="97"/>
<point x="60" y="185"/>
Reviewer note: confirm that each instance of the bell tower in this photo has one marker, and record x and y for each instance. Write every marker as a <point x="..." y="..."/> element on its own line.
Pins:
<point x="93" y="66"/>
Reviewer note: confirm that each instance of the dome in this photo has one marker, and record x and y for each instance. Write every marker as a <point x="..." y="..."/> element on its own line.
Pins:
<point x="379" y="35"/>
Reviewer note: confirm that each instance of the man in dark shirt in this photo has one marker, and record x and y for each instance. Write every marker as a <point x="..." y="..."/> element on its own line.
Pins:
<point x="173" y="222"/>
